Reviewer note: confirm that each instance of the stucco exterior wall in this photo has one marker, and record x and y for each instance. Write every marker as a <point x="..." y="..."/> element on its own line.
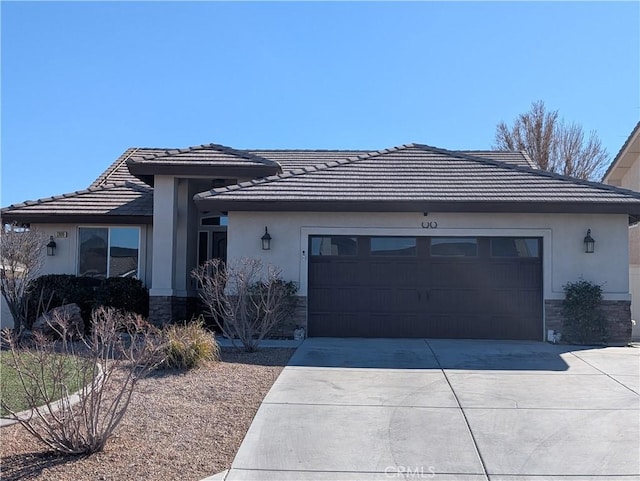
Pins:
<point x="631" y="178"/>
<point x="564" y="259"/>
<point x="634" y="245"/>
<point x="66" y="256"/>
<point x="634" y="281"/>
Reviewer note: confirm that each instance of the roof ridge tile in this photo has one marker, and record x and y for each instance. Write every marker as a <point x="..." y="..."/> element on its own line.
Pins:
<point x="243" y="154"/>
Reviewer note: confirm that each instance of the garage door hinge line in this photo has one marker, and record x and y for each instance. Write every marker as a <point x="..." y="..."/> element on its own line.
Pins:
<point x="464" y="415"/>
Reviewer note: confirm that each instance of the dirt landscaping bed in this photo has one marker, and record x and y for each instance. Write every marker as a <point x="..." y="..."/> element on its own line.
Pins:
<point x="179" y="426"/>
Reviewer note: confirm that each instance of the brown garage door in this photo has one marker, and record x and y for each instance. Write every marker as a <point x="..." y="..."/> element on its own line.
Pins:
<point x="436" y="287"/>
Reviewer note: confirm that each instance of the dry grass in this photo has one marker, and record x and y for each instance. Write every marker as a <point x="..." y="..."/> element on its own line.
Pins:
<point x="179" y="426"/>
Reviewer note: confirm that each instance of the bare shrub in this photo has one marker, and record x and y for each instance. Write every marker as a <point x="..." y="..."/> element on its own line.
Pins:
<point x="21" y="258"/>
<point x="246" y="298"/>
<point x="188" y="346"/>
<point x="121" y="350"/>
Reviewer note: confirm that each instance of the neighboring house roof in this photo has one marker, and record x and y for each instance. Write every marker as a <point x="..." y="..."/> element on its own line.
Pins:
<point x="421" y="178"/>
<point x="124" y="203"/>
<point x="623" y="161"/>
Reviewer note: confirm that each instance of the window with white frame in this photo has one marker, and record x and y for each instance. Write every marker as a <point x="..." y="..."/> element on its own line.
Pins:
<point x="108" y="251"/>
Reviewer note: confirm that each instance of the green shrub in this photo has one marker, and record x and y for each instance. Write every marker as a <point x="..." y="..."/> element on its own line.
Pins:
<point x="584" y="322"/>
<point x="188" y="346"/>
<point x="124" y="293"/>
<point x="54" y="290"/>
<point x="289" y="298"/>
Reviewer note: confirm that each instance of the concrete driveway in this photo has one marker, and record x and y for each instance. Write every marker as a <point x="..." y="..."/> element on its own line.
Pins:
<point x="385" y="409"/>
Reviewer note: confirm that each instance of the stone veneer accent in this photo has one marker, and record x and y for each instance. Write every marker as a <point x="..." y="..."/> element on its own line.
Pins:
<point x="618" y="313"/>
<point x="299" y="318"/>
<point x="167" y="309"/>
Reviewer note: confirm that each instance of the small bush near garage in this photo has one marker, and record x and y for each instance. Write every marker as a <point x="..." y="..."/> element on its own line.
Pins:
<point x="584" y="322"/>
<point x="246" y="297"/>
<point x="188" y="346"/>
<point x="54" y="290"/>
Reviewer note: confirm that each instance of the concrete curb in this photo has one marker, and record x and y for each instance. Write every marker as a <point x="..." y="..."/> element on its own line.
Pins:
<point x="70" y="400"/>
<point x="221" y="476"/>
<point x="265" y="344"/>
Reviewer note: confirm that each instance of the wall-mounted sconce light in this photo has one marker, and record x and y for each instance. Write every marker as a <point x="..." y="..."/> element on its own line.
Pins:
<point x="589" y="243"/>
<point x="266" y="240"/>
<point x="51" y="247"/>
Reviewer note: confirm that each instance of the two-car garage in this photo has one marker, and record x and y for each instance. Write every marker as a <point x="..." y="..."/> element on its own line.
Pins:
<point x="432" y="287"/>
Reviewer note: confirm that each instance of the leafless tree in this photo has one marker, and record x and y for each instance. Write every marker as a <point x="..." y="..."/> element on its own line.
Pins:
<point x="246" y="298"/>
<point x="21" y="258"/>
<point x="121" y="350"/>
<point x="553" y="144"/>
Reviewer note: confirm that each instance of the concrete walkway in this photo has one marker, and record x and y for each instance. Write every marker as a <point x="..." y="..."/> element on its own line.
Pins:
<point x="384" y="409"/>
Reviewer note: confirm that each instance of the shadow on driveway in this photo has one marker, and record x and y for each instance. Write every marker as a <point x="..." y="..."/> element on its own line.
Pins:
<point x="435" y="354"/>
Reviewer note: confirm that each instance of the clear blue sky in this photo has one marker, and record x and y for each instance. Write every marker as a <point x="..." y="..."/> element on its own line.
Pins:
<point x="83" y="81"/>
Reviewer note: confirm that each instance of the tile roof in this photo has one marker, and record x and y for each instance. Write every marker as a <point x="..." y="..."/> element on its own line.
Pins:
<point x="119" y="171"/>
<point x="412" y="176"/>
<point x="289" y="159"/>
<point x="207" y="160"/>
<point x="406" y="174"/>
<point x="520" y="157"/>
<point x="201" y="154"/>
<point x="124" y="202"/>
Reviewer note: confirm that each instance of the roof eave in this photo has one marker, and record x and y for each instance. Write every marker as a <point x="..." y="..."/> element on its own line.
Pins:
<point x="209" y="204"/>
<point x="27" y="218"/>
<point x="145" y="171"/>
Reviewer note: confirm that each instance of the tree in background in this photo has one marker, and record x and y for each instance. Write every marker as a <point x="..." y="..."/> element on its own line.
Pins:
<point x="554" y="145"/>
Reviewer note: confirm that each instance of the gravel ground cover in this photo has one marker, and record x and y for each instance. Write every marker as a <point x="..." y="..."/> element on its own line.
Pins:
<point x="180" y="426"/>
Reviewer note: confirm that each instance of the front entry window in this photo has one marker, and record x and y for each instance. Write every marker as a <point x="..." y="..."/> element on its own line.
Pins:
<point x="108" y="251"/>
<point x="212" y="238"/>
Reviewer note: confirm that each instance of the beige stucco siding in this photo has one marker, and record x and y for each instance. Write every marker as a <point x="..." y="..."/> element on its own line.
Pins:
<point x="66" y="255"/>
<point x="631" y="178"/>
<point x="564" y="258"/>
<point x="634" y="245"/>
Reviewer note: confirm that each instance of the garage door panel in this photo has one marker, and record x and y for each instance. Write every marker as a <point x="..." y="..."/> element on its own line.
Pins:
<point x="393" y="299"/>
<point x="454" y="300"/>
<point x="401" y="273"/>
<point x="331" y="324"/>
<point x="419" y="295"/>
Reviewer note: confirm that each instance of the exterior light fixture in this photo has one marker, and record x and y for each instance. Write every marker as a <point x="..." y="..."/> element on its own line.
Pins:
<point x="51" y="247"/>
<point x="266" y="240"/>
<point x="589" y="243"/>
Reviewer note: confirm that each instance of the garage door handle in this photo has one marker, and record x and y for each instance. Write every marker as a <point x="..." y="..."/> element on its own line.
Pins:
<point x="426" y="293"/>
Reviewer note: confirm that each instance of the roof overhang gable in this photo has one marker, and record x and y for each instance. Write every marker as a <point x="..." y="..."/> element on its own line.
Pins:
<point x="625" y="159"/>
<point x="202" y="161"/>
<point x="146" y="172"/>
